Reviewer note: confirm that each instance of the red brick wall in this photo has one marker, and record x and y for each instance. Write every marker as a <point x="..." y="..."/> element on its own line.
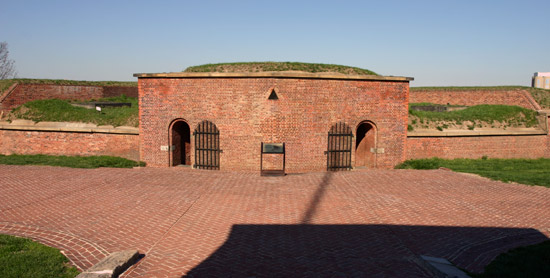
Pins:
<point x="301" y="117"/>
<point x="69" y="143"/>
<point x="531" y="146"/>
<point x="508" y="97"/>
<point x="27" y="92"/>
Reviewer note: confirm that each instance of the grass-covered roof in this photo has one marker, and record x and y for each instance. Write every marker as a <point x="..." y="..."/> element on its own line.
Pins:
<point x="278" y="66"/>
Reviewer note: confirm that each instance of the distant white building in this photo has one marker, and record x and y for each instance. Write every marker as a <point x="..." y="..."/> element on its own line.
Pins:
<point x="541" y="80"/>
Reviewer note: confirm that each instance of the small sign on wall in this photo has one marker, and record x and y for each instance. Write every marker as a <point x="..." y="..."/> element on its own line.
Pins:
<point x="168" y="148"/>
<point x="377" y="150"/>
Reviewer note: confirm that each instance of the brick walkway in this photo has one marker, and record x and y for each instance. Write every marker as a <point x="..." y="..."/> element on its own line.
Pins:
<point x="208" y="223"/>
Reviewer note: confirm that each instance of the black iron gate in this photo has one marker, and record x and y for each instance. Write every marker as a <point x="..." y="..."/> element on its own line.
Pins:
<point x="340" y="139"/>
<point x="207" y="146"/>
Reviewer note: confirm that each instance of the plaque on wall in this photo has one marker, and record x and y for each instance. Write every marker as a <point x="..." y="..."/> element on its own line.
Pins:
<point x="273" y="148"/>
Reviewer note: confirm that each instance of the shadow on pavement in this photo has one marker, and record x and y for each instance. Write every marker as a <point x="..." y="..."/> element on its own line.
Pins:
<point x="356" y="250"/>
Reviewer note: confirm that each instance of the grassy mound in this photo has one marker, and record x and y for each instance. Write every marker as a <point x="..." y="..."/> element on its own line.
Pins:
<point x="494" y="116"/>
<point x="20" y="257"/>
<point x="526" y="171"/>
<point x="278" y="66"/>
<point x="70" y="161"/>
<point x="55" y="110"/>
<point x="6" y="83"/>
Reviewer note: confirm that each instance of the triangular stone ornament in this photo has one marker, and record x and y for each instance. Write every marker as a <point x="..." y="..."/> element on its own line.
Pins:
<point x="273" y="95"/>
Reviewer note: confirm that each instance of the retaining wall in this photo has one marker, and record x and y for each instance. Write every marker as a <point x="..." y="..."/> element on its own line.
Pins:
<point x="21" y="93"/>
<point x="475" y="97"/>
<point x="493" y="146"/>
<point x="68" y="139"/>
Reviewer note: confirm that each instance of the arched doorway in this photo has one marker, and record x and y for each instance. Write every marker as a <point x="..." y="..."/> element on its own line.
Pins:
<point x="181" y="143"/>
<point x="364" y="144"/>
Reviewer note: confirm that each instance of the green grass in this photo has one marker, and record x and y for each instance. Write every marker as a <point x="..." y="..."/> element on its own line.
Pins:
<point x="513" y="115"/>
<point x="530" y="261"/>
<point x="20" y="257"/>
<point x="525" y="171"/>
<point x="55" y="110"/>
<point x="70" y="161"/>
<point x="6" y="83"/>
<point x="541" y="96"/>
<point x="278" y="66"/>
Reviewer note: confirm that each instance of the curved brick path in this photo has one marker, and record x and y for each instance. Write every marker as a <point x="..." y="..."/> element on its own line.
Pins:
<point x="199" y="223"/>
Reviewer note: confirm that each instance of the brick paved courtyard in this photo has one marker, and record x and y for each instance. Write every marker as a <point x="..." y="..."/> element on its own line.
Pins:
<point x="207" y="223"/>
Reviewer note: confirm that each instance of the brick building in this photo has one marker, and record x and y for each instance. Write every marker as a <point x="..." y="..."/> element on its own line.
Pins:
<point x="325" y="120"/>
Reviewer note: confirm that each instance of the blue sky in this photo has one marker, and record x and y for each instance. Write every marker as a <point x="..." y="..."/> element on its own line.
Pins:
<point x="439" y="43"/>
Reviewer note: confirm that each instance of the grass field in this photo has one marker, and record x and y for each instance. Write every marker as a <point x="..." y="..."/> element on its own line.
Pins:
<point x="20" y="257"/>
<point x="55" y="110"/>
<point x="69" y="161"/>
<point x="530" y="261"/>
<point x="526" y="171"/>
<point x="278" y="66"/>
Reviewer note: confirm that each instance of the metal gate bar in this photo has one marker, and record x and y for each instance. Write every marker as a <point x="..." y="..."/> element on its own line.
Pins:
<point x="339" y="147"/>
<point x="207" y="146"/>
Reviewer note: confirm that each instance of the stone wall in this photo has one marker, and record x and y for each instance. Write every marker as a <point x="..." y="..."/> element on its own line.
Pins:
<point x="21" y="93"/>
<point x="475" y="97"/>
<point x="301" y="117"/>
<point x="450" y="147"/>
<point x="54" y="139"/>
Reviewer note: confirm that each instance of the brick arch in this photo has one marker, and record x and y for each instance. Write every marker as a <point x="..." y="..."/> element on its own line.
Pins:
<point x="365" y="141"/>
<point x="180" y="142"/>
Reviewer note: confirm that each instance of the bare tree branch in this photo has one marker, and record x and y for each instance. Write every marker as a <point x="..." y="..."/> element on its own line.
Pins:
<point x="7" y="68"/>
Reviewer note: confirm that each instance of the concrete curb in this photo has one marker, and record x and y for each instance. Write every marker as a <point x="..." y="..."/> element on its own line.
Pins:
<point x="112" y="266"/>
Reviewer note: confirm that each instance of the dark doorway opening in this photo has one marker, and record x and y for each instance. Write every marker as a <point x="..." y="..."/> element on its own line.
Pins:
<point x="181" y="144"/>
<point x="365" y="146"/>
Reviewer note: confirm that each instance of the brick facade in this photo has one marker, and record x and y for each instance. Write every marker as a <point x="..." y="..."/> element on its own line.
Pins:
<point x="475" y="97"/>
<point x="519" y="146"/>
<point x="22" y="93"/>
<point x="239" y="106"/>
<point x="69" y="143"/>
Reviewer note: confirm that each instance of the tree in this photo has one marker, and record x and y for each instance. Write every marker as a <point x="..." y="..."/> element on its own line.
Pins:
<point x="7" y="69"/>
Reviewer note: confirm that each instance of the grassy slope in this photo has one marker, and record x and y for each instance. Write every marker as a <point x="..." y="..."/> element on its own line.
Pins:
<point x="4" y="84"/>
<point x="542" y="96"/>
<point x="466" y="88"/>
<point x="513" y="115"/>
<point x="55" y="110"/>
<point x="69" y="161"/>
<point x="20" y="257"/>
<point x="278" y="66"/>
<point x="526" y="171"/>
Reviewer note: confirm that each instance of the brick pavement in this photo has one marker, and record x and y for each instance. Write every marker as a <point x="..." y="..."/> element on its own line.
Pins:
<point x="211" y="223"/>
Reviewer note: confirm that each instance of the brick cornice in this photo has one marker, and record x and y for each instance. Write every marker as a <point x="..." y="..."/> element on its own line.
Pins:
<point x="273" y="74"/>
